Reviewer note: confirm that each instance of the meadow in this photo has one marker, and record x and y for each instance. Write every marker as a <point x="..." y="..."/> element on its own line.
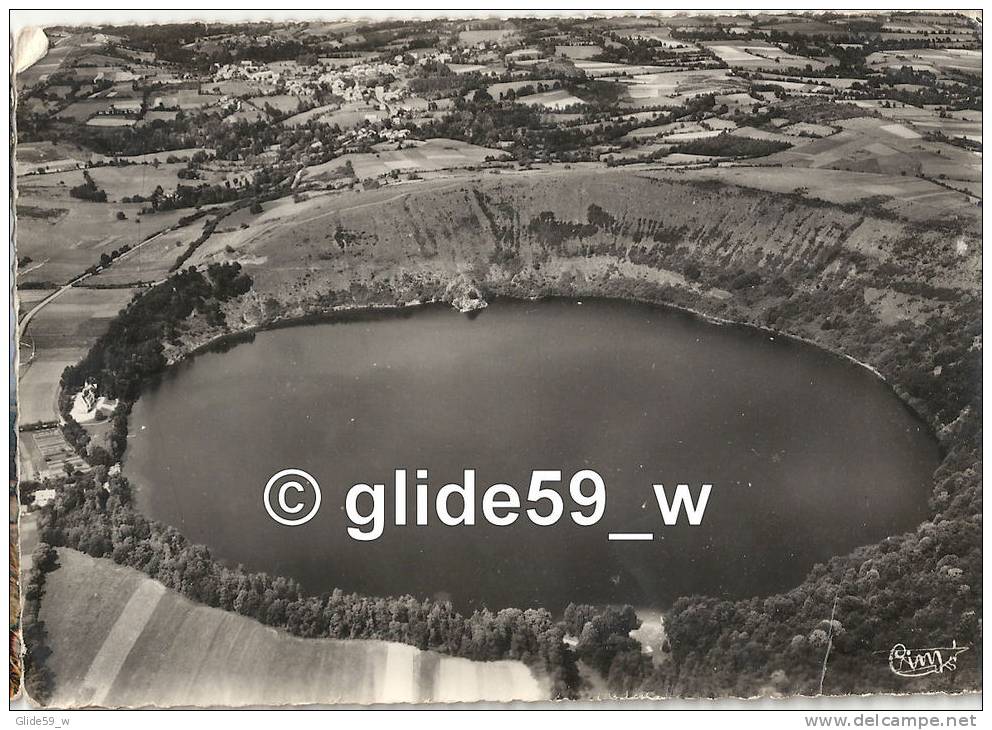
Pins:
<point x="58" y="336"/>
<point x="119" y="638"/>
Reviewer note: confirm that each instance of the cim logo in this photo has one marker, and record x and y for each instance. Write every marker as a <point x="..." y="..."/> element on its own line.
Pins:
<point x="922" y="662"/>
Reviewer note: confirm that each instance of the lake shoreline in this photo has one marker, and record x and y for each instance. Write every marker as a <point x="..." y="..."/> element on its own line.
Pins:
<point x="409" y="324"/>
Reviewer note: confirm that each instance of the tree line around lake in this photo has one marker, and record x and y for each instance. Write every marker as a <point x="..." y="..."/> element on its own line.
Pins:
<point x="94" y="514"/>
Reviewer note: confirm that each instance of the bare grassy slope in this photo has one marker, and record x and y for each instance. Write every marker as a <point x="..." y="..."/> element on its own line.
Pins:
<point x="119" y="638"/>
<point x="451" y="225"/>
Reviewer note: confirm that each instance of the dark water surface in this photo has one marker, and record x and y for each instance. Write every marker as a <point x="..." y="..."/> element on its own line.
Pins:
<point x="809" y="455"/>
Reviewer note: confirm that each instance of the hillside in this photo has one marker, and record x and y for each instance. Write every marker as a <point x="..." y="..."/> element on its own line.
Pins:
<point x="830" y="273"/>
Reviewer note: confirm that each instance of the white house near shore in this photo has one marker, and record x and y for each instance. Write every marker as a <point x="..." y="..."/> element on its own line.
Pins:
<point x="88" y="407"/>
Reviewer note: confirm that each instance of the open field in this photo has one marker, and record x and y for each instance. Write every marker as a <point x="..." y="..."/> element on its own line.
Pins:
<point x="32" y="156"/>
<point x="345" y="116"/>
<point x="182" y="98"/>
<point x="953" y="124"/>
<point x="603" y="68"/>
<point x="674" y="87"/>
<point x="119" y="638"/>
<point x="432" y="154"/>
<point x="304" y="117"/>
<point x="152" y="261"/>
<point x="76" y="317"/>
<point x="868" y="144"/>
<point x="118" y="182"/>
<point x="285" y="103"/>
<point x="58" y="336"/>
<point x="63" y="236"/>
<point x="39" y="381"/>
<point x="761" y="56"/>
<point x="936" y="60"/>
<point x="183" y="155"/>
<point x="502" y="36"/>
<point x="806" y="129"/>
<point x="911" y="197"/>
<point x="580" y="53"/>
<point x="558" y="99"/>
<point x="80" y="111"/>
<point x="764" y="134"/>
<point x="112" y="121"/>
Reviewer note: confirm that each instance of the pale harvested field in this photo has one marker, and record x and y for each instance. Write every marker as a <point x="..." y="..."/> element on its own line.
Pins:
<point x="672" y="87"/>
<point x="964" y="123"/>
<point x="182" y="155"/>
<point x="558" y="99"/>
<point x="604" y="68"/>
<point x="582" y="53"/>
<point x="754" y="133"/>
<point x="111" y="121"/>
<point x="689" y="136"/>
<point x="120" y="639"/>
<point x="760" y="55"/>
<point x="662" y="130"/>
<point x="182" y="98"/>
<point x="38" y="382"/>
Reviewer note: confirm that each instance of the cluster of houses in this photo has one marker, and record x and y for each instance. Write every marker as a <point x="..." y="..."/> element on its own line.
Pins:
<point x="248" y="71"/>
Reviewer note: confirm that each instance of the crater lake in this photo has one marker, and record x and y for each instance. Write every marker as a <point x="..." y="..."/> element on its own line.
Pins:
<point x="809" y="454"/>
